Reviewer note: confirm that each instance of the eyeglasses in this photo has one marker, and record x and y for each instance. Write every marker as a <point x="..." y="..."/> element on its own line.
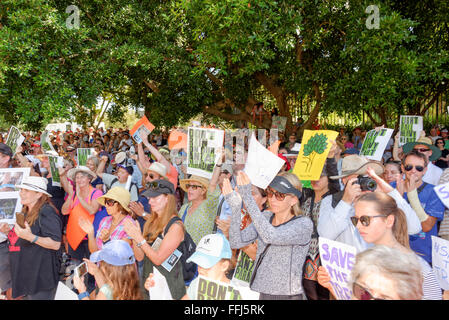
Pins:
<point x="193" y="186"/>
<point x="364" y="220"/>
<point x="360" y="293"/>
<point x="110" y="202"/>
<point x="421" y="150"/>
<point x="409" y="167"/>
<point x="279" y="195"/>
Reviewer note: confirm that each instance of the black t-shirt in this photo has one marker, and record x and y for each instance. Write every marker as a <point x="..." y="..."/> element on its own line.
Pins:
<point x="35" y="268"/>
<point x="440" y="163"/>
<point x="57" y="194"/>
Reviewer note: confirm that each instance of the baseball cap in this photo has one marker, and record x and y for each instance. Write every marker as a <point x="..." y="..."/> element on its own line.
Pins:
<point x="210" y="250"/>
<point x="282" y="185"/>
<point x="5" y="149"/>
<point x="129" y="169"/>
<point x="114" y="252"/>
<point x="158" y="187"/>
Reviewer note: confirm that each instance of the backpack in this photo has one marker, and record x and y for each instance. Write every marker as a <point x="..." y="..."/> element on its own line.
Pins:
<point x="187" y="247"/>
<point x="130" y="186"/>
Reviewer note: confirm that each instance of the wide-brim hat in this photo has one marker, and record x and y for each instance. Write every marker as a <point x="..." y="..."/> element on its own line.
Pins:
<point x="436" y="152"/>
<point x="355" y="164"/>
<point x="37" y="184"/>
<point x="159" y="168"/>
<point x="120" y="157"/>
<point x="72" y="172"/>
<point x="202" y="181"/>
<point x="119" y="194"/>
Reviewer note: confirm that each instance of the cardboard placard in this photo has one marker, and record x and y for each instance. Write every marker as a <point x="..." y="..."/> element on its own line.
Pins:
<point x="82" y="154"/>
<point x="243" y="270"/>
<point x="375" y="142"/>
<point x="14" y="138"/>
<point x="142" y="125"/>
<point x="440" y="261"/>
<point x="410" y="128"/>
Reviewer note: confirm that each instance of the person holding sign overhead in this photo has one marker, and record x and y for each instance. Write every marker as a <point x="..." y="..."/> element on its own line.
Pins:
<point x="282" y="232"/>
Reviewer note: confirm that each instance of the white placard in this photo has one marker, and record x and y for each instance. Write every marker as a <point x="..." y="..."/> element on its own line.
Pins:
<point x="374" y="144"/>
<point x="440" y="261"/>
<point x="65" y="293"/>
<point x="160" y="291"/>
<point x="261" y="165"/>
<point x="14" y="139"/>
<point x="410" y="128"/>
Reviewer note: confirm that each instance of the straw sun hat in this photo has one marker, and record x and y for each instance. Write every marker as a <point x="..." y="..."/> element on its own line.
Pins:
<point x="202" y="181"/>
<point x="72" y="172"/>
<point x="119" y="194"/>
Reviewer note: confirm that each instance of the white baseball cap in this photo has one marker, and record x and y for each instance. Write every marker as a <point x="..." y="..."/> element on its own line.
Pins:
<point x="210" y="250"/>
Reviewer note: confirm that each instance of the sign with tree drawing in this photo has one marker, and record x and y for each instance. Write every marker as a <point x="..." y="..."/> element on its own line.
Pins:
<point x="315" y="147"/>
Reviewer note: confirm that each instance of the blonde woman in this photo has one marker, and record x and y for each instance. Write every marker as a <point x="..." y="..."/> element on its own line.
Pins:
<point x="162" y="234"/>
<point x="283" y="233"/>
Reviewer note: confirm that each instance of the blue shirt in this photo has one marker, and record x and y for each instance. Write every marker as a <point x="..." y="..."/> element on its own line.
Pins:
<point x="421" y="243"/>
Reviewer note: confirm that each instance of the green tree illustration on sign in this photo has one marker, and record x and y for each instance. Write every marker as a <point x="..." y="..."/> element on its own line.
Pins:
<point x="316" y="145"/>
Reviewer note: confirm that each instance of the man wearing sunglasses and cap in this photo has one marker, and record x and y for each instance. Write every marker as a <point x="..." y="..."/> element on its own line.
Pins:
<point x="432" y="153"/>
<point x="336" y="210"/>
<point x="423" y="199"/>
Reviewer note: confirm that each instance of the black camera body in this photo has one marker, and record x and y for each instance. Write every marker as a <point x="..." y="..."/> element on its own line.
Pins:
<point x="366" y="183"/>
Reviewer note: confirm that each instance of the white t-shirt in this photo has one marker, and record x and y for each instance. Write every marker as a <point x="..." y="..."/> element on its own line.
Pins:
<point x="433" y="174"/>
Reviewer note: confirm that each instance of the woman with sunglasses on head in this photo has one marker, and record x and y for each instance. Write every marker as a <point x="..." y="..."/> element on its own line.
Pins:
<point x="442" y="161"/>
<point x="162" y="234"/>
<point x="282" y="232"/>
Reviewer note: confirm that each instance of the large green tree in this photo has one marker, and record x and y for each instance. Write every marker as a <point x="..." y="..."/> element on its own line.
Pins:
<point x="177" y="59"/>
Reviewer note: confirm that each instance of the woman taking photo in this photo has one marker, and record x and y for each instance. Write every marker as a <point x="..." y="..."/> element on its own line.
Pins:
<point x="380" y="222"/>
<point x="163" y="232"/>
<point x="111" y="227"/>
<point x="284" y="235"/>
<point x="115" y="275"/>
<point x="35" y="260"/>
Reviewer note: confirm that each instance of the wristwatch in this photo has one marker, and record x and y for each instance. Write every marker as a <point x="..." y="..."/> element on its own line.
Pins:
<point x="82" y="295"/>
<point x="141" y="243"/>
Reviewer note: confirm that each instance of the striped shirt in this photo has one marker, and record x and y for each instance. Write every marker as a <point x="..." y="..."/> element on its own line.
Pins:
<point x="118" y="233"/>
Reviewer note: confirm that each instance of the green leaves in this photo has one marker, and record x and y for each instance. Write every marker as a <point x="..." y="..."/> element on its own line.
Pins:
<point x="317" y="143"/>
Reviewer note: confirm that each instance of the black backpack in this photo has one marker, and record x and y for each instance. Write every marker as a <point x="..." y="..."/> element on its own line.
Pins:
<point x="187" y="247"/>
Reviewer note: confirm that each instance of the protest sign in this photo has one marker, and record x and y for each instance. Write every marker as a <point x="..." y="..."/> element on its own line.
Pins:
<point x="177" y="140"/>
<point x="440" y="261"/>
<point x="261" y="173"/>
<point x="9" y="205"/>
<point x="142" y="125"/>
<point x="315" y="147"/>
<point x="374" y="144"/>
<point x="160" y="290"/>
<point x="46" y="145"/>
<point x="55" y="163"/>
<point x="14" y="139"/>
<point x="338" y="259"/>
<point x="410" y="128"/>
<point x="243" y="270"/>
<point x="278" y="122"/>
<point x="215" y="290"/>
<point x="203" y="147"/>
<point x="10" y="178"/>
<point x="83" y="154"/>
<point x="63" y="292"/>
<point x="442" y="192"/>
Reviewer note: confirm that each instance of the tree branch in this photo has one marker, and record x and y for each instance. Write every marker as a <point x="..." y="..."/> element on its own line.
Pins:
<point x="152" y="85"/>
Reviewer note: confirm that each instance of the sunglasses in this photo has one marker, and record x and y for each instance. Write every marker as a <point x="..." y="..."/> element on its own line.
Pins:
<point x="193" y="186"/>
<point x="409" y="167"/>
<point x="110" y="202"/>
<point x="421" y="150"/>
<point x="364" y="220"/>
<point x="151" y="176"/>
<point x="279" y="195"/>
<point x="360" y="293"/>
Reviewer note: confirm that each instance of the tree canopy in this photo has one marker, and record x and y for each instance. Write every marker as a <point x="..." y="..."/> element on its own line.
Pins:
<point x="177" y="59"/>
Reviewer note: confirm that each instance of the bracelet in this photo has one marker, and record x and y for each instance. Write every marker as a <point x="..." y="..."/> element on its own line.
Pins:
<point x="141" y="243"/>
<point x="35" y="239"/>
<point x="82" y="295"/>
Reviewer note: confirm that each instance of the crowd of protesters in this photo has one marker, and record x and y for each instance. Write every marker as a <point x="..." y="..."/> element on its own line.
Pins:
<point x="126" y="231"/>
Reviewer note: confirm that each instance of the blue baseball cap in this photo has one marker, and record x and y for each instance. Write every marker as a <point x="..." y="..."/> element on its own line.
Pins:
<point x="114" y="252"/>
<point x="210" y="250"/>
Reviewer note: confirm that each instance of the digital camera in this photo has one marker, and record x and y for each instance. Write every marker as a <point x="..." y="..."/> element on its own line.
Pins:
<point x="366" y="183"/>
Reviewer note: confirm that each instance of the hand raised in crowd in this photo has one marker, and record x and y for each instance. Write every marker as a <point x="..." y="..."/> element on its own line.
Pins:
<point x="24" y="233"/>
<point x="223" y="225"/>
<point x="227" y="188"/>
<point x="4" y="228"/>
<point x="333" y="149"/>
<point x="133" y="230"/>
<point x="86" y="225"/>
<point x="242" y="178"/>
<point x="324" y="279"/>
<point x="382" y="185"/>
<point x="137" y="208"/>
<point x="149" y="282"/>
<point x="352" y="191"/>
